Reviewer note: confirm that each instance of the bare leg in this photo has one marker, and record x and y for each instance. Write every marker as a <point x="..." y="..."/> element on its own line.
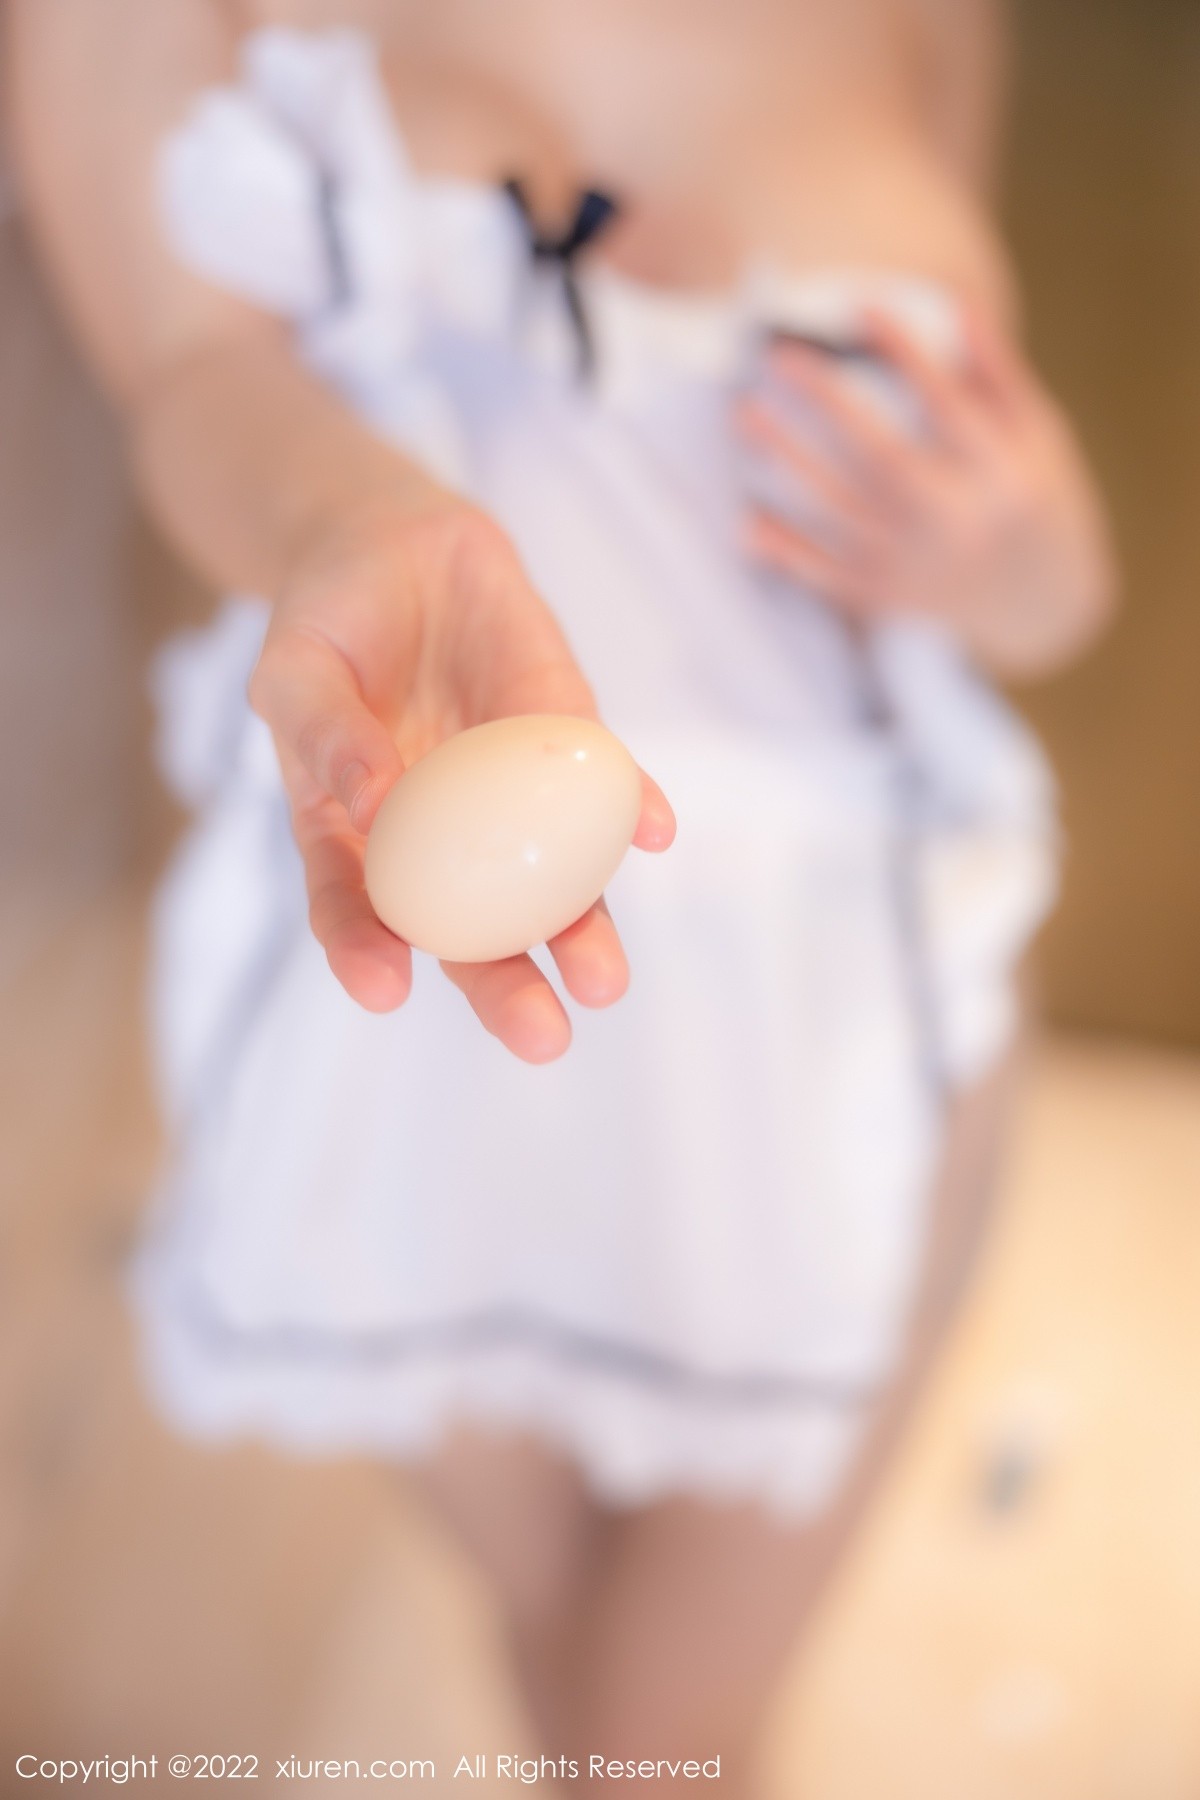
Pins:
<point x="661" y="1632"/>
<point x="693" y="1609"/>
<point x="524" y="1516"/>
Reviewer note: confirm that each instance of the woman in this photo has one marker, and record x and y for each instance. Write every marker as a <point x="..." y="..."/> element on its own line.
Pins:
<point x="678" y="335"/>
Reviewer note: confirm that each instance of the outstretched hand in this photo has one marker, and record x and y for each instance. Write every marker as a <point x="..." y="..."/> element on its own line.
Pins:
<point x="393" y="632"/>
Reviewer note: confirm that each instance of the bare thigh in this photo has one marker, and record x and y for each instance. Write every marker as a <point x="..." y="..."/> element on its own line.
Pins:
<point x="660" y="1632"/>
<point x="522" y="1510"/>
<point x="524" y="1516"/>
<point x="698" y="1607"/>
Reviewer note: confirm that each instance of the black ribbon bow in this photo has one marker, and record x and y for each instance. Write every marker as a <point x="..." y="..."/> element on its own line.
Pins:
<point x="594" y="212"/>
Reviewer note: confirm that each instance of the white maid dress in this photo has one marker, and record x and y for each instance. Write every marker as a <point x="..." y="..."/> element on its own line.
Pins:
<point x="686" y="1253"/>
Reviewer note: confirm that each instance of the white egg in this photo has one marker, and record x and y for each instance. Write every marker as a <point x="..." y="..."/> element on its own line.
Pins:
<point x="502" y="836"/>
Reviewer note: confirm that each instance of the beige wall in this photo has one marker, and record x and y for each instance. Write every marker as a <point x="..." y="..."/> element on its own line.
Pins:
<point x="68" y="673"/>
<point x="1104" y="213"/>
<point x="85" y="588"/>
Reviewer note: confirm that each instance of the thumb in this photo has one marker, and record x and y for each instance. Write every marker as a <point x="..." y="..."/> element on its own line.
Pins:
<point x="304" y="689"/>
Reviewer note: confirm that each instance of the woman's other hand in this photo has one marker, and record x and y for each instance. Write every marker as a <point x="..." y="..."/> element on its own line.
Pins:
<point x="987" y="520"/>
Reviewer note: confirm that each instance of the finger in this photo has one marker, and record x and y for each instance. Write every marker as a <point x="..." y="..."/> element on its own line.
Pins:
<point x="792" y="552"/>
<point x="373" y="965"/>
<point x="999" y="364"/>
<point x="953" y="407"/>
<point x="844" y="504"/>
<point x="590" y="958"/>
<point x="305" y="690"/>
<point x="884" y="454"/>
<point x="656" y="825"/>
<point x="513" y="1000"/>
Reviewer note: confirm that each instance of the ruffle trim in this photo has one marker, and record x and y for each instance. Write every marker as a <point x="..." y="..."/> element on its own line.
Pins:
<point x="640" y="1427"/>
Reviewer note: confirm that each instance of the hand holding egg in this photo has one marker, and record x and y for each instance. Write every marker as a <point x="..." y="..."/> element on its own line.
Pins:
<point x="412" y="673"/>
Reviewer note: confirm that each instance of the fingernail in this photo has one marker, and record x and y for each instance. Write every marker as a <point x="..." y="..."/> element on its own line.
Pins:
<point x="355" y="781"/>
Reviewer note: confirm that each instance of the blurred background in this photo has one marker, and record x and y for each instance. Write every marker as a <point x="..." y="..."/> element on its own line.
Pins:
<point x="1023" y="1615"/>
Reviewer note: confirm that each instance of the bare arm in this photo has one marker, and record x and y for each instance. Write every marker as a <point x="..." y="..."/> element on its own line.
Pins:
<point x="400" y="613"/>
<point x="240" y="453"/>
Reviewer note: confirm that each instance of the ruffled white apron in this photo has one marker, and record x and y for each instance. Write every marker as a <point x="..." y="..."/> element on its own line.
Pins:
<point x="687" y="1252"/>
